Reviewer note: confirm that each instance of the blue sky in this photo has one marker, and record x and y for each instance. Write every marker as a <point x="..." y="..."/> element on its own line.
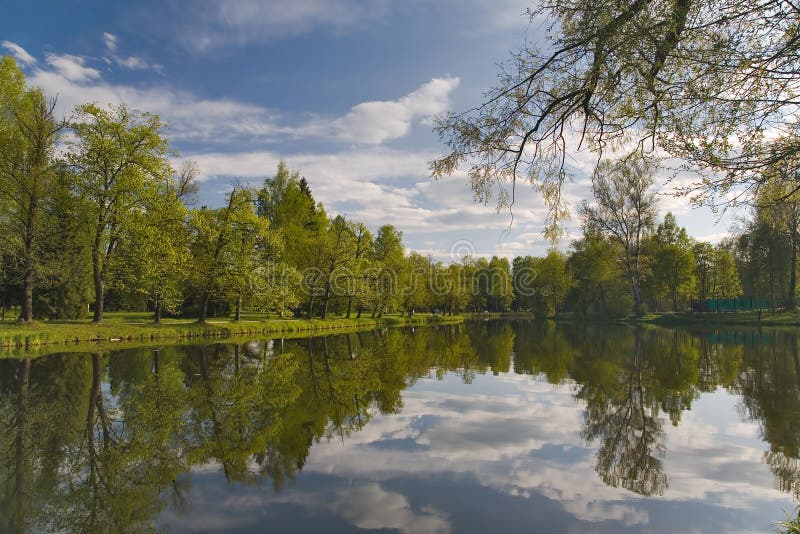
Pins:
<point x="343" y="90"/>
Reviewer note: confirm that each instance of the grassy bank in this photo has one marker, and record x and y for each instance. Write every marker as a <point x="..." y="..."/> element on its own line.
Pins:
<point x="127" y="327"/>
<point x="782" y="318"/>
<point x="497" y="315"/>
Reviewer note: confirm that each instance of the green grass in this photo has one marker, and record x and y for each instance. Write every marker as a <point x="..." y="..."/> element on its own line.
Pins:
<point x="781" y="318"/>
<point x="791" y="525"/>
<point x="127" y="327"/>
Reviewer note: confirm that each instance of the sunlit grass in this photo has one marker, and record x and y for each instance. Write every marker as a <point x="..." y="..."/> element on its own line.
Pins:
<point x="139" y="327"/>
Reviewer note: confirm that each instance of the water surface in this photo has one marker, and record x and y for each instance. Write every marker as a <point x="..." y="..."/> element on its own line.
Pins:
<point x="490" y="426"/>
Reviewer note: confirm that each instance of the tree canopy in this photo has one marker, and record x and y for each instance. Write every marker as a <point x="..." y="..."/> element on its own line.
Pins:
<point x="712" y="82"/>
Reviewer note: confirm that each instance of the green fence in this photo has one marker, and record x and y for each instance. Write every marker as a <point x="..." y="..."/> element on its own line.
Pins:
<point x="730" y="305"/>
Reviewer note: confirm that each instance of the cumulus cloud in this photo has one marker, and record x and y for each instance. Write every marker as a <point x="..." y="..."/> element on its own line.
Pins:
<point x="371" y="507"/>
<point x="375" y="185"/>
<point x="72" y="68"/>
<point x="379" y="121"/>
<point x="19" y="53"/>
<point x="497" y="436"/>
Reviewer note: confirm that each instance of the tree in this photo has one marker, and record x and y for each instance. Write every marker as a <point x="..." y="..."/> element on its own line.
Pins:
<point x="725" y="281"/>
<point x="28" y="178"/>
<point x="600" y="283"/>
<point x="155" y="257"/>
<point x="673" y="261"/>
<point x="554" y="280"/>
<point x="779" y="202"/>
<point x="390" y="269"/>
<point x="334" y="252"/>
<point x="624" y="209"/>
<point x="120" y="160"/>
<point x="286" y="200"/>
<point x="420" y="291"/>
<point x="703" y="265"/>
<point x="361" y="263"/>
<point x="709" y="81"/>
<point x="763" y="254"/>
<point x="229" y="245"/>
<point x="500" y="290"/>
<point x="523" y="277"/>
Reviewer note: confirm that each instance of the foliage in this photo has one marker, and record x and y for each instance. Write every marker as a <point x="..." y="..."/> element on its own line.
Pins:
<point x="29" y="179"/>
<point x="672" y="263"/>
<point x="712" y="82"/>
<point x="791" y="525"/>
<point x="624" y="210"/>
<point x="119" y="158"/>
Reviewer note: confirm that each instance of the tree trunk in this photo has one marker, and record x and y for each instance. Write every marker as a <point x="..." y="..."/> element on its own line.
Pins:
<point x="325" y="300"/>
<point x="349" y="305"/>
<point x="27" y="302"/>
<point x="157" y="312"/>
<point x="792" y="301"/>
<point x="637" y="297"/>
<point x="203" y="313"/>
<point x="238" y="315"/>
<point x="99" y="290"/>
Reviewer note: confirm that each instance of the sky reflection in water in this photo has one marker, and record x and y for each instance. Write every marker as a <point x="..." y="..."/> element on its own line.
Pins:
<point x="492" y="426"/>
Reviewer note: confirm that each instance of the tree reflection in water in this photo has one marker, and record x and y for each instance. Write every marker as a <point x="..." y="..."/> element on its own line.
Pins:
<point x="103" y="442"/>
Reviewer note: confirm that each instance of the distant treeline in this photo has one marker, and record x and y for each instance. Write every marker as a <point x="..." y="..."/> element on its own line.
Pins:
<point x="92" y="214"/>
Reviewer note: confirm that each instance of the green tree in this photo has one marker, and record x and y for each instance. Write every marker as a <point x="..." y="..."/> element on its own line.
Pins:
<point x="624" y="210"/>
<point x="28" y="178"/>
<point x="153" y="261"/>
<point x="703" y="266"/>
<point x="646" y="73"/>
<point x="554" y="280"/>
<point x="500" y="290"/>
<point x="600" y="285"/>
<point x="390" y="269"/>
<point x="779" y="202"/>
<point x="724" y="275"/>
<point x="673" y="262"/>
<point x="763" y="255"/>
<point x="419" y="293"/>
<point x="229" y="247"/>
<point x="120" y="161"/>
<point x="286" y="200"/>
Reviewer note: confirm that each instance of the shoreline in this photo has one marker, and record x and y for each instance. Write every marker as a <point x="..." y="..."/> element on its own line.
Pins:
<point x="24" y="337"/>
<point x="780" y="318"/>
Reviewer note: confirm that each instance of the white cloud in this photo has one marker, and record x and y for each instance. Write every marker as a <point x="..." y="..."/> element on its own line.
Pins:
<point x="111" y="41"/>
<point x="71" y="67"/>
<point x="19" y="53"/>
<point x="209" y="25"/>
<point x="376" y="185"/>
<point x="478" y="431"/>
<point x="224" y="121"/>
<point x="189" y="117"/>
<point x="371" y="507"/>
<point x="379" y="121"/>
<point x="131" y="62"/>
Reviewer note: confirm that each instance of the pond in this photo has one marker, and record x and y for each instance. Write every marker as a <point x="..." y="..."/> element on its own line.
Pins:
<point x="490" y="426"/>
